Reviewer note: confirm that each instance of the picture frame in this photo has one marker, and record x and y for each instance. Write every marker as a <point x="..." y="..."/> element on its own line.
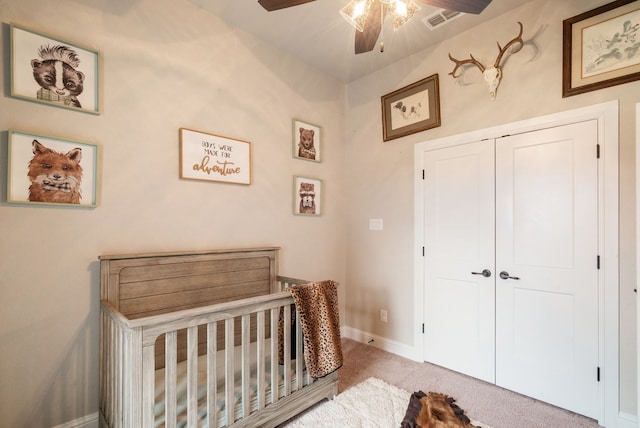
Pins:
<point x="413" y="108"/>
<point x="600" y="48"/>
<point x="45" y="170"/>
<point x="211" y="157"/>
<point x="307" y="141"/>
<point x="307" y="196"/>
<point x="36" y="54"/>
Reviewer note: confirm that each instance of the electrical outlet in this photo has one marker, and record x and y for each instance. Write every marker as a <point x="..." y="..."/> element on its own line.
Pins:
<point x="383" y="315"/>
<point x="376" y="224"/>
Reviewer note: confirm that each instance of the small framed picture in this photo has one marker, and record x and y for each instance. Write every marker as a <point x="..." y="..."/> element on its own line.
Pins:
<point x="48" y="170"/>
<point x="211" y="157"/>
<point x="53" y="71"/>
<point x="411" y="109"/>
<point x="601" y="48"/>
<point x="306" y="141"/>
<point x="307" y="196"/>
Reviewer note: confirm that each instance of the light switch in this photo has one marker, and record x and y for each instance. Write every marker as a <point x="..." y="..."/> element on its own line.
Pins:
<point x="375" y="224"/>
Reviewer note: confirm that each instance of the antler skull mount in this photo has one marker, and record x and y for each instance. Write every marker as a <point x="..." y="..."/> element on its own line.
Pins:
<point x="492" y="74"/>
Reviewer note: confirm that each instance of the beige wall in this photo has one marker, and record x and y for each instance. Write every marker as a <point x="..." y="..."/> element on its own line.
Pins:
<point x="166" y="64"/>
<point x="380" y="176"/>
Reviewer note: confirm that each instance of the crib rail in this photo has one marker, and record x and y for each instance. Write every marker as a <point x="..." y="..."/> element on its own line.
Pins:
<point x="128" y="370"/>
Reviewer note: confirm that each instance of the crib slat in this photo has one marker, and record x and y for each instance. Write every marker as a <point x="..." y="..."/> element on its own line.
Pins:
<point x="260" y="360"/>
<point x="287" y="350"/>
<point x="148" y="390"/>
<point x="212" y="382"/>
<point x="274" y="354"/>
<point x="171" y="359"/>
<point x="229" y="380"/>
<point x="139" y="378"/>
<point x="192" y="376"/>
<point x="111" y="374"/>
<point x="102" y="367"/>
<point x="118" y="360"/>
<point x="245" y="359"/>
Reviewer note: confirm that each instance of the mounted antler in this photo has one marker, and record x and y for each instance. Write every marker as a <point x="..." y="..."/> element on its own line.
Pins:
<point x="517" y="39"/>
<point x="493" y="74"/>
<point x="459" y="63"/>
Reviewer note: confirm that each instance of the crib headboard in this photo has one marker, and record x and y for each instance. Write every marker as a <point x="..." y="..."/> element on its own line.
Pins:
<point x="140" y="285"/>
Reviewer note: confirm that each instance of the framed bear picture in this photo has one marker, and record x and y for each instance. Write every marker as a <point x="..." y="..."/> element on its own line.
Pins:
<point x="307" y="196"/>
<point x="52" y="71"/>
<point x="306" y="141"/>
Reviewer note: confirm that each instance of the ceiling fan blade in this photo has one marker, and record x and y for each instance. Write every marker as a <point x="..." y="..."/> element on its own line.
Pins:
<point x="272" y="5"/>
<point x="366" y="40"/>
<point x="466" y="6"/>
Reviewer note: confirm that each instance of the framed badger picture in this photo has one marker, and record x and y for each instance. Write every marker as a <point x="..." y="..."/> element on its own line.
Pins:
<point x="52" y="71"/>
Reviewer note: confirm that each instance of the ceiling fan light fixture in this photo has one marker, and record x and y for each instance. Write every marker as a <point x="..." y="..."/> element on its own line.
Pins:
<point x="356" y="12"/>
<point x="402" y="11"/>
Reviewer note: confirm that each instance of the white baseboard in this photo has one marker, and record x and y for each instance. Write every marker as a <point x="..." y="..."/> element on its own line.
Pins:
<point x="627" y="420"/>
<point x="89" y="421"/>
<point x="383" y="343"/>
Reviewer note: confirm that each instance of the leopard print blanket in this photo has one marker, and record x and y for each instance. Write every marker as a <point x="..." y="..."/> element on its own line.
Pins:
<point x="317" y="305"/>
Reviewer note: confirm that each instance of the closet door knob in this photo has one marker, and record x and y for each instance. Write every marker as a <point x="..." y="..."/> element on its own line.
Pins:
<point x="486" y="273"/>
<point x="505" y="275"/>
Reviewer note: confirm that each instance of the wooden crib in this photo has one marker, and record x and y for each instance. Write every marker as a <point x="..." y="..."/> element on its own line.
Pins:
<point x="201" y="339"/>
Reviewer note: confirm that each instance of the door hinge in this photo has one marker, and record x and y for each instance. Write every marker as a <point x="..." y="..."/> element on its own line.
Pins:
<point x="598" y="151"/>
<point x="598" y="375"/>
<point x="598" y="262"/>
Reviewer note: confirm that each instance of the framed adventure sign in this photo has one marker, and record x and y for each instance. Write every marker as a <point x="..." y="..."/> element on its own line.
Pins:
<point x="211" y="157"/>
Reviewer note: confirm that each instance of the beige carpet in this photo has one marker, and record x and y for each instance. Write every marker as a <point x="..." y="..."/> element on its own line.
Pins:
<point x="480" y="400"/>
<point x="372" y="403"/>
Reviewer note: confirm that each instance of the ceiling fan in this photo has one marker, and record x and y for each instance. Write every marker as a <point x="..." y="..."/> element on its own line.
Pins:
<point x="369" y="23"/>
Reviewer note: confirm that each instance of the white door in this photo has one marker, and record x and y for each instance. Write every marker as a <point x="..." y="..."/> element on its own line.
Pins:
<point x="547" y="243"/>
<point x="530" y="212"/>
<point x="459" y="239"/>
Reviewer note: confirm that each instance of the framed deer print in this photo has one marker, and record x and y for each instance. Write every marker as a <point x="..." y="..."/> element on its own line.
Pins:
<point x="51" y="71"/>
<point x="601" y="48"/>
<point x="411" y="109"/>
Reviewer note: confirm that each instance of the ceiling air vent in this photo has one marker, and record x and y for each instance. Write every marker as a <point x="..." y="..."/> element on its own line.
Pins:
<point x="440" y="18"/>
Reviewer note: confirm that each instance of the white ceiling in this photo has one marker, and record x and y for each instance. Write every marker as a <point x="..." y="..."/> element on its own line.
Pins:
<point x="317" y="34"/>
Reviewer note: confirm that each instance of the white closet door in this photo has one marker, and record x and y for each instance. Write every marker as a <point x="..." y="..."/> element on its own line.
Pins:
<point x="547" y="243"/>
<point x="459" y="239"/>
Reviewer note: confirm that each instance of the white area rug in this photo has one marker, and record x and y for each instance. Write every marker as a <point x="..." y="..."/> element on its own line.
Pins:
<point x="372" y="403"/>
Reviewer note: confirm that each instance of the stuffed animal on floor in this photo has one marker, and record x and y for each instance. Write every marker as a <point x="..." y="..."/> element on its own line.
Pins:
<point x="434" y="410"/>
